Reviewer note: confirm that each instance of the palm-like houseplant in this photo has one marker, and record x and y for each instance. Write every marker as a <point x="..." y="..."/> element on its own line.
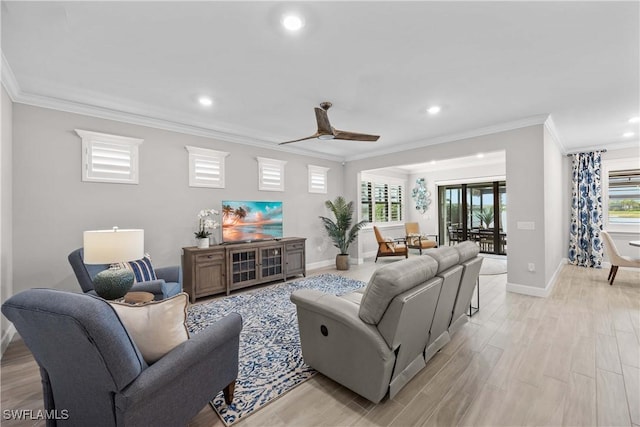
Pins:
<point x="341" y="231"/>
<point x="485" y="216"/>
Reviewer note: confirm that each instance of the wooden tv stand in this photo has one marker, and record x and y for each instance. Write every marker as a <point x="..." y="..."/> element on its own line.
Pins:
<point x="227" y="267"/>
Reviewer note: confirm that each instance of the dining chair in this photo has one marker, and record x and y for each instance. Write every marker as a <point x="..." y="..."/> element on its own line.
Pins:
<point x="615" y="258"/>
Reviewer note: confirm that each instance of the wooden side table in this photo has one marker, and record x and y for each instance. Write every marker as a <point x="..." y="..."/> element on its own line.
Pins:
<point x="138" y="297"/>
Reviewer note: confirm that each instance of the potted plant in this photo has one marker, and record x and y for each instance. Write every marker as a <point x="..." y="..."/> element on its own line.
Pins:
<point x="485" y="216"/>
<point x="341" y="232"/>
<point x="205" y="223"/>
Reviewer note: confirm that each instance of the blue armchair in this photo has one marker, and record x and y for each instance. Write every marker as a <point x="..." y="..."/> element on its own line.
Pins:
<point x="93" y="374"/>
<point x="169" y="281"/>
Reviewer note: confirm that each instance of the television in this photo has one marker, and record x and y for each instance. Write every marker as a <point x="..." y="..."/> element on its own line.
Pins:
<point x="246" y="221"/>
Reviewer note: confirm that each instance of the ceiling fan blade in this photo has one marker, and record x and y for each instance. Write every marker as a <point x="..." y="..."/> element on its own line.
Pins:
<point x="301" y="139"/>
<point x="324" y="127"/>
<point x="353" y="136"/>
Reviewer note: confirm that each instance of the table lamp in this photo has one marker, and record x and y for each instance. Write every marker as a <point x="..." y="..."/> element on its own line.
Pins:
<point x="113" y="247"/>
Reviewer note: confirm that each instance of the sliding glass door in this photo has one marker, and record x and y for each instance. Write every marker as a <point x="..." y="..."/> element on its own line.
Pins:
<point x="475" y="212"/>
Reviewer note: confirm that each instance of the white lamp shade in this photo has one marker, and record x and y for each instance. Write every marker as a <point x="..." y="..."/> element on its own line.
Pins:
<point x="113" y="246"/>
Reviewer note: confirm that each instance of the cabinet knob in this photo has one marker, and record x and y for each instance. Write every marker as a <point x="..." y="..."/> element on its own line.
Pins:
<point x="210" y="256"/>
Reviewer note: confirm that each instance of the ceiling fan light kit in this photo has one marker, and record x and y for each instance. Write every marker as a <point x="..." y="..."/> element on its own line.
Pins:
<point x="326" y="131"/>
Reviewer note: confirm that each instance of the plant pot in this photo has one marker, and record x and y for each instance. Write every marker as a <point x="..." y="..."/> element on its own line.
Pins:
<point x="202" y="243"/>
<point x="342" y="262"/>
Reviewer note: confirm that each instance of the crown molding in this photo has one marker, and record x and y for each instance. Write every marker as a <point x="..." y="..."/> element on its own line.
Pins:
<point x="488" y="130"/>
<point x="550" y="125"/>
<point x="9" y="79"/>
<point x="143" y="120"/>
<point x="19" y="96"/>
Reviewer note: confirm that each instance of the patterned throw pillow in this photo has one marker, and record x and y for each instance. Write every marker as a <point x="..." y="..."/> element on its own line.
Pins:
<point x="142" y="269"/>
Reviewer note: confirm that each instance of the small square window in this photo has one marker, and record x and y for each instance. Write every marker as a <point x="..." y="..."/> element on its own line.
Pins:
<point x="318" y="179"/>
<point x="109" y="158"/>
<point x="206" y="167"/>
<point x="270" y="174"/>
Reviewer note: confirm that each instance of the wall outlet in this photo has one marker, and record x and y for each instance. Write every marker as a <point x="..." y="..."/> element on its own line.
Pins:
<point x="526" y="225"/>
<point x="531" y="267"/>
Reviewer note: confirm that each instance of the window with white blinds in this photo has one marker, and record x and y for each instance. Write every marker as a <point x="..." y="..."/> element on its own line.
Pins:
<point x="318" y="179"/>
<point x="270" y="174"/>
<point x="206" y="167"/>
<point x="109" y="158"/>
<point x="620" y="181"/>
<point x="622" y="196"/>
<point x="381" y="199"/>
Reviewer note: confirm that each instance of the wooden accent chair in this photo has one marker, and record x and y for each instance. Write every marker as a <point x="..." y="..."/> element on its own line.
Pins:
<point x="415" y="240"/>
<point x="615" y="258"/>
<point x="390" y="247"/>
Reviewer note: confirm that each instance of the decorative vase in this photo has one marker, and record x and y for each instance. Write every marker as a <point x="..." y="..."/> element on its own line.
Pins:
<point x="202" y="243"/>
<point x="342" y="262"/>
<point x="113" y="283"/>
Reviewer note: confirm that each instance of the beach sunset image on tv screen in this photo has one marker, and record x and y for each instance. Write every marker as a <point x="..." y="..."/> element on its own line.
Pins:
<point x="249" y="220"/>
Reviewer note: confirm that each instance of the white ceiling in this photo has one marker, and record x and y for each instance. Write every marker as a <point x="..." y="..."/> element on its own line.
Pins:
<point x="490" y="65"/>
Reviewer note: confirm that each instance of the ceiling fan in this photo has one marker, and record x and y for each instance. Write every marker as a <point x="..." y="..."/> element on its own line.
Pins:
<point x="326" y="131"/>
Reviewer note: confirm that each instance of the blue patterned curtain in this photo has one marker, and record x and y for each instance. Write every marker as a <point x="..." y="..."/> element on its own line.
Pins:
<point x="585" y="245"/>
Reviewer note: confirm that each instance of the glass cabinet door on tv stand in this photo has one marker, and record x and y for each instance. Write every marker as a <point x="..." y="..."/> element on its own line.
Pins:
<point x="271" y="263"/>
<point x="244" y="267"/>
<point x="250" y="264"/>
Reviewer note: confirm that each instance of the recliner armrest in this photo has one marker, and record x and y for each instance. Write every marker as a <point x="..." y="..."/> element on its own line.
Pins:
<point x="203" y="365"/>
<point x="342" y="311"/>
<point x="156" y="287"/>
<point x="170" y="274"/>
<point x="337" y="343"/>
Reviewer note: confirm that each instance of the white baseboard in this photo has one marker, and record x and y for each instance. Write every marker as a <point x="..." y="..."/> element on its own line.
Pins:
<point x="321" y="264"/>
<point x="331" y="263"/>
<point x="535" y="291"/>
<point x="371" y="254"/>
<point x="6" y="339"/>
<point x="527" y="290"/>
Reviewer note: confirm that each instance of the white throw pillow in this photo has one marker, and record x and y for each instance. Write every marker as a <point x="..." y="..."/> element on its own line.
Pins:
<point x="156" y="327"/>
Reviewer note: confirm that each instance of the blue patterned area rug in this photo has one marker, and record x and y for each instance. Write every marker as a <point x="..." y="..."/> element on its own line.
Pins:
<point x="270" y="354"/>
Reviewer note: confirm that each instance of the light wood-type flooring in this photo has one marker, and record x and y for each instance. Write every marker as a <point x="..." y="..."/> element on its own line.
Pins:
<point x="571" y="359"/>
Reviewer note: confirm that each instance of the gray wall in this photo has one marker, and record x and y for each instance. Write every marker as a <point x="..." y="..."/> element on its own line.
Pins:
<point x="555" y="202"/>
<point x="524" y="173"/>
<point x="6" y="226"/>
<point x="54" y="206"/>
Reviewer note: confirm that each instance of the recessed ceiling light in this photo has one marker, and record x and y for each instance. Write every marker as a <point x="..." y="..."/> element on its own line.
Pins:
<point x="434" y="110"/>
<point x="292" y="22"/>
<point x="628" y="134"/>
<point x="479" y="155"/>
<point x="205" y="101"/>
<point x="433" y="162"/>
<point x="634" y="120"/>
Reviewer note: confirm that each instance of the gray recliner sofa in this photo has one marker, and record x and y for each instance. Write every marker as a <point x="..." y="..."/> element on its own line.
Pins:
<point x="376" y="339"/>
